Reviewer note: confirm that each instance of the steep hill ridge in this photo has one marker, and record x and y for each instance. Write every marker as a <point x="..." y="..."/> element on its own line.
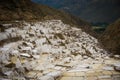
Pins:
<point x="27" y="10"/>
<point x="111" y="37"/>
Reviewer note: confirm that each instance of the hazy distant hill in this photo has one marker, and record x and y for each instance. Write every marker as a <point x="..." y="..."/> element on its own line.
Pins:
<point x="111" y="37"/>
<point x="90" y="10"/>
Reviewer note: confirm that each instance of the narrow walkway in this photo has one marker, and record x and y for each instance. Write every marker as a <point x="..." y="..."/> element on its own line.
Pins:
<point x="91" y="75"/>
<point x="99" y="71"/>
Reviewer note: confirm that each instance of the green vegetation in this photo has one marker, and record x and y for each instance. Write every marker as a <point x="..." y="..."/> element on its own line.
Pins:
<point x="99" y="27"/>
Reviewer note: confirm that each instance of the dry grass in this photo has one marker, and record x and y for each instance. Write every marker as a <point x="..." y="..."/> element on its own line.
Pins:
<point x="111" y="38"/>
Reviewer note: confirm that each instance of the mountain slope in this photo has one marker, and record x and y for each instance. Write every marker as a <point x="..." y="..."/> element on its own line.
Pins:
<point x="89" y="10"/>
<point x="27" y="10"/>
<point x="111" y="37"/>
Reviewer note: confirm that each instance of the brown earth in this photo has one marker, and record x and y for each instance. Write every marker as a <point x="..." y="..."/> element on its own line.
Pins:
<point x="111" y="37"/>
<point x="11" y="10"/>
<point x="27" y="10"/>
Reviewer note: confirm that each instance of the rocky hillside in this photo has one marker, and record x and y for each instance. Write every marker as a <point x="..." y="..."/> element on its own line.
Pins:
<point x="111" y="37"/>
<point x="27" y="10"/>
<point x="11" y="10"/>
<point x="47" y="48"/>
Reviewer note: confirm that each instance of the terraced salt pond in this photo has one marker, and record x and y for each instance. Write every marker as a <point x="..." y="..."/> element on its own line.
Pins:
<point x="51" y="50"/>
